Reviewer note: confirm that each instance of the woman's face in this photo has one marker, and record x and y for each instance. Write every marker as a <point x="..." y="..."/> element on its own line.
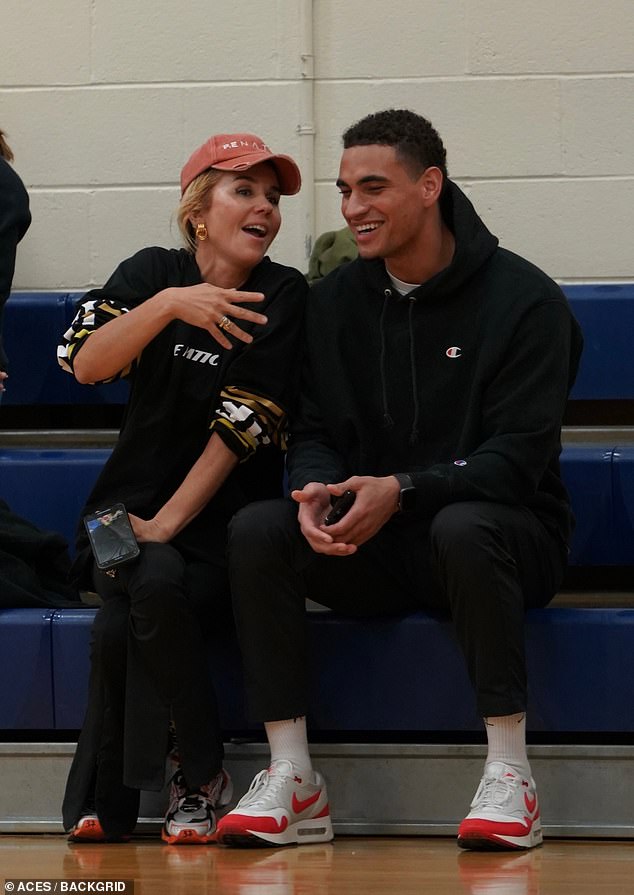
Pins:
<point x="243" y="216"/>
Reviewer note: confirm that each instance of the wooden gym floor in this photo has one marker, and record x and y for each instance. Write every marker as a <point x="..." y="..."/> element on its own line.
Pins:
<point x="349" y="866"/>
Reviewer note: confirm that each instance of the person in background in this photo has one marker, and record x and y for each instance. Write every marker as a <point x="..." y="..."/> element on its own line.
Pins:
<point x="208" y="336"/>
<point x="15" y="219"/>
<point x="331" y="249"/>
<point x="438" y="366"/>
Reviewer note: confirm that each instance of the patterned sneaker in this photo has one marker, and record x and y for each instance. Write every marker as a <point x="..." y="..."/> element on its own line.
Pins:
<point x="87" y="829"/>
<point x="280" y="808"/>
<point x="190" y="818"/>
<point x="504" y="812"/>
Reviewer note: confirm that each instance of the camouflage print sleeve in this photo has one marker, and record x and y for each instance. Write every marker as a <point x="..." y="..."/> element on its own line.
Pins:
<point x="245" y="420"/>
<point x="91" y="314"/>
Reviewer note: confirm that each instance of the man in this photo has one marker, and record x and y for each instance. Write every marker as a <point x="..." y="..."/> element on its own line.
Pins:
<point x="438" y="368"/>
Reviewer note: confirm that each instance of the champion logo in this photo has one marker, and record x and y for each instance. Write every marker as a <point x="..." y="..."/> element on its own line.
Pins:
<point x="454" y="351"/>
<point x="459" y="462"/>
<point x="300" y="805"/>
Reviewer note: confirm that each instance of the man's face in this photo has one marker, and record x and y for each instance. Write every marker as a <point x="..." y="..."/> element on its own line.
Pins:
<point x="385" y="209"/>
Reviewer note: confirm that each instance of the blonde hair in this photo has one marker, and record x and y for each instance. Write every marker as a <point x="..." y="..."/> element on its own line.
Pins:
<point x="5" y="149"/>
<point x="195" y="199"/>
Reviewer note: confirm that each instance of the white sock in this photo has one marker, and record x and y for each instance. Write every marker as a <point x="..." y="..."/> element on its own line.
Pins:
<point x="507" y="741"/>
<point x="289" y="740"/>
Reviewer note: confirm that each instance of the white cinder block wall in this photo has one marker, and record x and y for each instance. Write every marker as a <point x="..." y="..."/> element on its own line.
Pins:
<point x="104" y="99"/>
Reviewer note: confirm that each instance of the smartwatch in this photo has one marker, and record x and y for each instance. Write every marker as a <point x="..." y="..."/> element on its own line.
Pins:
<point x="407" y="494"/>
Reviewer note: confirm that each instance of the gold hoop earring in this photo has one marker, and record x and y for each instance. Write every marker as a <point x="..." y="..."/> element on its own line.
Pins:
<point x="201" y="232"/>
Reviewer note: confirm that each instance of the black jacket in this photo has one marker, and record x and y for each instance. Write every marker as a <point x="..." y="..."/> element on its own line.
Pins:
<point x="34" y="565"/>
<point x="15" y="218"/>
<point x="462" y="383"/>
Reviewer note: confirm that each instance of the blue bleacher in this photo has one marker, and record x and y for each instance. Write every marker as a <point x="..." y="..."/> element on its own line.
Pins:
<point x="559" y="642"/>
<point x="580" y="665"/>
<point x="623" y="495"/>
<point x="606" y="316"/>
<point x="26" y="663"/>
<point x="34" y="321"/>
<point x="587" y="471"/>
<point x="33" y="324"/>
<point x="59" y="481"/>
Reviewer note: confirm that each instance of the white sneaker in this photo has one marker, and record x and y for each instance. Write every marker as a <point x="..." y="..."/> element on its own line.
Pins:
<point x="504" y="813"/>
<point x="190" y="818"/>
<point x="281" y="807"/>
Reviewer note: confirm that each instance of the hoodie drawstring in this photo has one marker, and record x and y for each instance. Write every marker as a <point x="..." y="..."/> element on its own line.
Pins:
<point x="388" y="422"/>
<point x="413" y="437"/>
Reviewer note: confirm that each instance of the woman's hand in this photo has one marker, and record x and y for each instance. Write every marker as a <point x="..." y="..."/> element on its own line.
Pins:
<point x="206" y="476"/>
<point x="111" y="347"/>
<point x="214" y="309"/>
<point x="149" y="530"/>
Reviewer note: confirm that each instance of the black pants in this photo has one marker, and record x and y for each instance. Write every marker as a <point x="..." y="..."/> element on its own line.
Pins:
<point x="484" y="563"/>
<point x="149" y="665"/>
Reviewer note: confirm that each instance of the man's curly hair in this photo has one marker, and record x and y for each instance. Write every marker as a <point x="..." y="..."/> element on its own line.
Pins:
<point x="414" y="139"/>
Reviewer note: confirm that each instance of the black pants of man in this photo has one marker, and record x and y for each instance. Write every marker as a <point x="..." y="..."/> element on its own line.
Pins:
<point x="484" y="563"/>
<point x="149" y="666"/>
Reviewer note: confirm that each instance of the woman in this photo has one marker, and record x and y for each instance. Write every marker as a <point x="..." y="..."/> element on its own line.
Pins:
<point x="208" y="336"/>
<point x="15" y="219"/>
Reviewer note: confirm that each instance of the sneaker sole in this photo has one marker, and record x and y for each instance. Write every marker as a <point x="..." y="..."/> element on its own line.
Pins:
<point x="481" y="841"/>
<point x="305" y="832"/>
<point x="188" y="837"/>
<point x="93" y="832"/>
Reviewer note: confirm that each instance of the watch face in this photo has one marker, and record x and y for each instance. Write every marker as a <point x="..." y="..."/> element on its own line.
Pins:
<point x="407" y="500"/>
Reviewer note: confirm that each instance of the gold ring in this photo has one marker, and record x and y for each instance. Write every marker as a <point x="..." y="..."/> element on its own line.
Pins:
<point x="224" y="323"/>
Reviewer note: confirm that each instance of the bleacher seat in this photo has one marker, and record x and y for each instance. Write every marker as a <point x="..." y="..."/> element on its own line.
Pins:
<point x="33" y="325"/>
<point x="49" y="486"/>
<point x="26" y="693"/>
<point x="403" y="675"/>
<point x="606" y="316"/>
<point x="59" y="481"/>
<point x="623" y="489"/>
<point x="587" y="471"/>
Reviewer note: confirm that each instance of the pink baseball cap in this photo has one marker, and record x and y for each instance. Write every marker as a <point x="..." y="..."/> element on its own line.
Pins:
<point x="239" y="152"/>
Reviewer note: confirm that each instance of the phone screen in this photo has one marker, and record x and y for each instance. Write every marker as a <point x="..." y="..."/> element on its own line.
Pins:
<point x="111" y="536"/>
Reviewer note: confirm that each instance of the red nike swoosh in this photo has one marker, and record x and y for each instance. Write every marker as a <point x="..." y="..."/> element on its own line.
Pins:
<point x="531" y="804"/>
<point x="300" y="805"/>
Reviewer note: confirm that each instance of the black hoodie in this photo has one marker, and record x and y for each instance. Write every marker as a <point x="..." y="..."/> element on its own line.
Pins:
<point x="462" y="383"/>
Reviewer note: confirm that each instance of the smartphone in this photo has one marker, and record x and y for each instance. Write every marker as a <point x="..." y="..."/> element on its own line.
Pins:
<point x="111" y="537"/>
<point x="340" y="507"/>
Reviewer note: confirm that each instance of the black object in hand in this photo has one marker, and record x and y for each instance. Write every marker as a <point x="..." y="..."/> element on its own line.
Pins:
<point x="340" y="507"/>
